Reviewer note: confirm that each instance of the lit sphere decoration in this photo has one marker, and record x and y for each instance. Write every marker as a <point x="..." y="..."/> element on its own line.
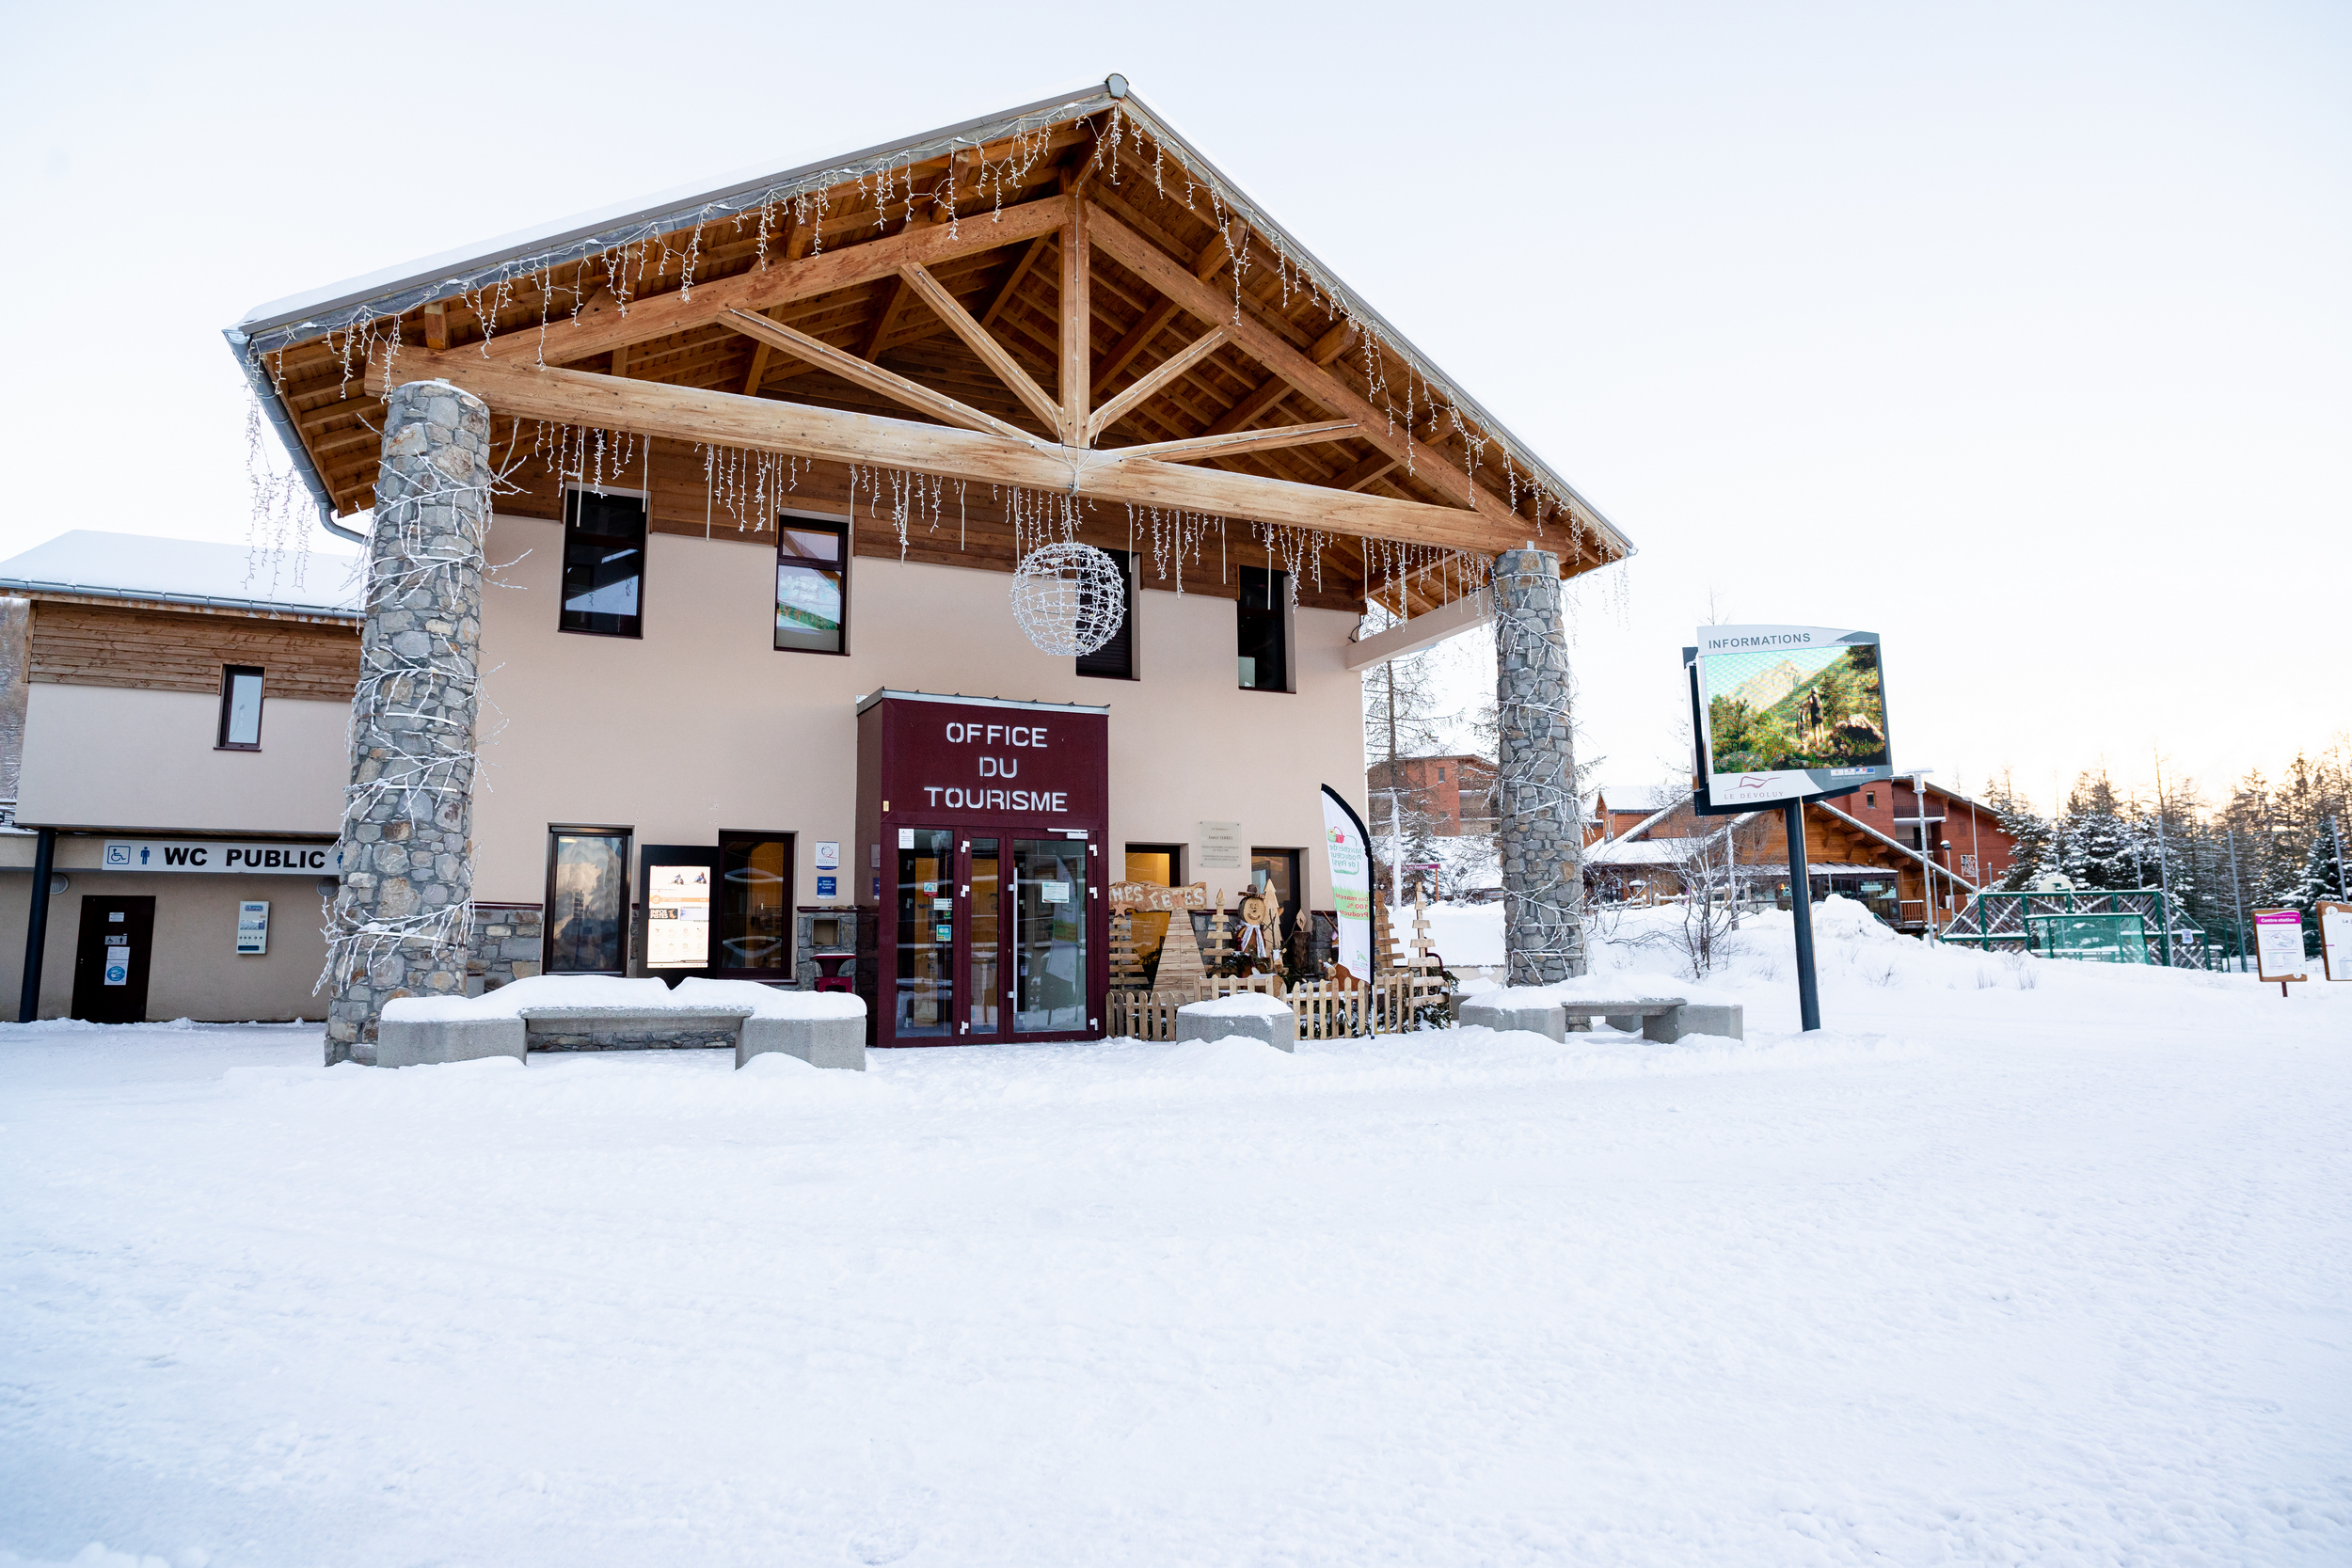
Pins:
<point x="1070" y="598"/>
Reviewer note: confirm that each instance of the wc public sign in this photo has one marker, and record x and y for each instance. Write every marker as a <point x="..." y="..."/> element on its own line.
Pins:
<point x="216" y="856"/>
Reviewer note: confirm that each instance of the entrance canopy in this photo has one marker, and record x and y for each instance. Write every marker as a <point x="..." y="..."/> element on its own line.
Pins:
<point x="1061" y="319"/>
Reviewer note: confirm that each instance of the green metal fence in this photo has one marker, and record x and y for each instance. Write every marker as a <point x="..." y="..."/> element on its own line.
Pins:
<point x="2138" y="925"/>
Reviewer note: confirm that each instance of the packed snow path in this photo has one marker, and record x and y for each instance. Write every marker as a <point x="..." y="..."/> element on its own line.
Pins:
<point x="2054" y="1276"/>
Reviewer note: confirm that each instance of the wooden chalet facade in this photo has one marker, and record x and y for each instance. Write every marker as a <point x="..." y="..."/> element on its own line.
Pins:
<point x="1455" y="791"/>
<point x="1866" y="846"/>
<point x="887" y="380"/>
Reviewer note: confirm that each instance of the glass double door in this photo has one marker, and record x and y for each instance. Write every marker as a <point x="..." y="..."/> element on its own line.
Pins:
<point x="991" y="937"/>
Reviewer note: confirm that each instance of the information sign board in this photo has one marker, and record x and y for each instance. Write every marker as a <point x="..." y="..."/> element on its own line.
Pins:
<point x="2278" y="945"/>
<point x="2335" y="940"/>
<point x="1220" y="847"/>
<point x="1786" y="713"/>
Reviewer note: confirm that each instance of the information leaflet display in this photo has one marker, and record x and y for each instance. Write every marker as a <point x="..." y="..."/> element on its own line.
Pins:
<point x="2278" y="945"/>
<point x="1786" y="713"/>
<point x="677" y="917"/>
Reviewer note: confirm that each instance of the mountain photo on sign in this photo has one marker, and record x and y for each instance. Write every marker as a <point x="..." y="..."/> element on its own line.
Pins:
<point x="1783" y="709"/>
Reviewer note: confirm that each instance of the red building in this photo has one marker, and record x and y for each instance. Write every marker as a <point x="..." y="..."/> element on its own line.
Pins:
<point x="1867" y="845"/>
<point x="1456" y="792"/>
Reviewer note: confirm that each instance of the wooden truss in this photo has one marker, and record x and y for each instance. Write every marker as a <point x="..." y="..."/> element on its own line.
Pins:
<point x="1067" y="338"/>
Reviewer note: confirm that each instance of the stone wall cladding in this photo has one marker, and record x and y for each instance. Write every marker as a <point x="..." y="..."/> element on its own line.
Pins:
<point x="1539" y="836"/>
<point x="507" y="945"/>
<point x="401" y="922"/>
<point x="569" y="1036"/>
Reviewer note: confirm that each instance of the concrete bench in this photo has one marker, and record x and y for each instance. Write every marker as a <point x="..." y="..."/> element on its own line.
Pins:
<point x="829" y="1042"/>
<point x="1663" y="1020"/>
<point x="420" y="1042"/>
<point x="1208" y="1021"/>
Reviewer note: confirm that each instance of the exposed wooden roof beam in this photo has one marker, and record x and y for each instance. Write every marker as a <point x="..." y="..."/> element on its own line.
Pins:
<point x="1363" y="473"/>
<point x="1012" y="280"/>
<point x="1271" y="391"/>
<point x="766" y="424"/>
<point x="854" y="368"/>
<point x="1193" y="448"/>
<point x="1077" y="322"/>
<point x="1160" y="375"/>
<point x="992" y="353"/>
<point x="1261" y="343"/>
<point x="782" y="283"/>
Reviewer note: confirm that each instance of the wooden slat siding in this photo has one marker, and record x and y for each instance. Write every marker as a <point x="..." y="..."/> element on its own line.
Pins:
<point x="86" y="645"/>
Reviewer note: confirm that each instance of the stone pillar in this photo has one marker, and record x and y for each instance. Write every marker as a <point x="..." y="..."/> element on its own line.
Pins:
<point x="1539" y="823"/>
<point x="400" y="923"/>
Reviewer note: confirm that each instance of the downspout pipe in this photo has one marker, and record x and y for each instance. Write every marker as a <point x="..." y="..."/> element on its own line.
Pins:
<point x="37" y="928"/>
<point x="258" y="380"/>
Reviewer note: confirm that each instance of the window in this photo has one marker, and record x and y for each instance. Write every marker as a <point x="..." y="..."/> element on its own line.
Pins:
<point x="1262" y="629"/>
<point x="240" y="709"/>
<point x="1441" y="775"/>
<point x="1274" y="872"/>
<point x="755" y="905"/>
<point x="1162" y="865"/>
<point x="1116" y="659"/>
<point x="588" y="900"/>
<point x="604" y="562"/>
<point x="812" y="585"/>
<point x="1870" y="799"/>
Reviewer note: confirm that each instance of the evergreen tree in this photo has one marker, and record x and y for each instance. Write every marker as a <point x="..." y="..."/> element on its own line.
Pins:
<point x="2099" y="840"/>
<point x="2036" y="839"/>
<point x="2321" y="880"/>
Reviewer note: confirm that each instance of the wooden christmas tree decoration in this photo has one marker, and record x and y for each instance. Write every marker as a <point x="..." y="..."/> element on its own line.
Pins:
<point x="1180" y="961"/>
<point x="1126" y="969"/>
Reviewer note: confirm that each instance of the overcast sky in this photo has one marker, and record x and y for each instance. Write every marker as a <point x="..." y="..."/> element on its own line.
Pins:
<point x="2020" y="335"/>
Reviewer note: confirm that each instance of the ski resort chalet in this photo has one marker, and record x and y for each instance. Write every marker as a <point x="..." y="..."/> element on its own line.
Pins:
<point x="1907" y="865"/>
<point x="724" y="610"/>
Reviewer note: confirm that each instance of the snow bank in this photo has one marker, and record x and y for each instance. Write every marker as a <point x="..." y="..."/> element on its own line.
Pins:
<point x="1241" y="1003"/>
<point x="767" y="1001"/>
<point x="610" y="990"/>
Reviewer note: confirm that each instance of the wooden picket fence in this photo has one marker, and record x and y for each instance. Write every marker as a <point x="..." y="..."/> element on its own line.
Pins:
<point x="1327" y="1010"/>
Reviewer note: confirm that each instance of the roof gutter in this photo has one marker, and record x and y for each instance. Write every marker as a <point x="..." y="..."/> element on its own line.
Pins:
<point x="257" y="380"/>
<point x="199" y="601"/>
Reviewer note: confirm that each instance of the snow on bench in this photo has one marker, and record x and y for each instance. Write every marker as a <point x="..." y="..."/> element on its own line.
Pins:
<point x="1665" y="1016"/>
<point x="605" y="1012"/>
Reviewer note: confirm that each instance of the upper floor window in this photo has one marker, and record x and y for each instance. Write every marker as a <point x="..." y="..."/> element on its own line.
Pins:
<point x="812" y="585"/>
<point x="1116" y="659"/>
<point x="604" y="562"/>
<point x="1263" y="630"/>
<point x="240" y="709"/>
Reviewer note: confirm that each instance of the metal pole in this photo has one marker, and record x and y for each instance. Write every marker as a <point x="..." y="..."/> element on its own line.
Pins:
<point x="2344" y="889"/>
<point x="2238" y="899"/>
<point x="2163" y="886"/>
<point x="1800" y="885"/>
<point x="37" y="928"/>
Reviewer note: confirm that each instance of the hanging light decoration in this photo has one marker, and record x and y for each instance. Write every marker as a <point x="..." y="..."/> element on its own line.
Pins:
<point x="1070" y="598"/>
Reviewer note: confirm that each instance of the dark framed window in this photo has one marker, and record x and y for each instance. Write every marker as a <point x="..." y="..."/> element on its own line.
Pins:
<point x="812" y="585"/>
<point x="604" y="562"/>
<point x="1275" y="873"/>
<point x="240" y="709"/>
<point x="1262" y="627"/>
<point x="1116" y="659"/>
<point x="587" y="918"/>
<point x="754" y="915"/>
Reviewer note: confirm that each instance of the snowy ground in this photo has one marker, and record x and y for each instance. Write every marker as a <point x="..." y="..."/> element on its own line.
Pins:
<point x="1984" y="1274"/>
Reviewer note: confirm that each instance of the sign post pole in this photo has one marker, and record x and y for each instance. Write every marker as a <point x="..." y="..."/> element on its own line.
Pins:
<point x="1801" y="901"/>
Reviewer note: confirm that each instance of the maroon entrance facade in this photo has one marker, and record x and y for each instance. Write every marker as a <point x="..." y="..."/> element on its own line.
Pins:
<point x="981" y="846"/>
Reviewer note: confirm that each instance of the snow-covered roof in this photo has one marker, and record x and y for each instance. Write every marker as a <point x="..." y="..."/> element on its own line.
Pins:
<point x="186" y="571"/>
<point x="1643" y="798"/>
<point x="1641" y="851"/>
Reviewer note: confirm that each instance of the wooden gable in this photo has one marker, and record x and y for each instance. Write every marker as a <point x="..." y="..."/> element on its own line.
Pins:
<point x="1064" y="319"/>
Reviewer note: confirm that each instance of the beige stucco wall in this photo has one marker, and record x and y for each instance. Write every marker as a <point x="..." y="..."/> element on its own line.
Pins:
<point x="701" y="725"/>
<point x="112" y="757"/>
<point x="196" y="972"/>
